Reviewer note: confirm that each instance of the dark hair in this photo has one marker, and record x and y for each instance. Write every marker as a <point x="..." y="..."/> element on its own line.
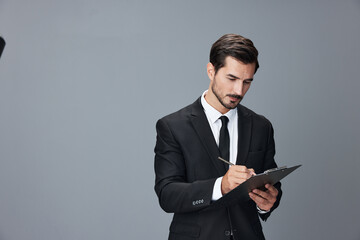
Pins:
<point x="235" y="46"/>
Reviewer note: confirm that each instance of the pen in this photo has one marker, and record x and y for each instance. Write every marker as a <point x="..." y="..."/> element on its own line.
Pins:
<point x="231" y="164"/>
<point x="221" y="159"/>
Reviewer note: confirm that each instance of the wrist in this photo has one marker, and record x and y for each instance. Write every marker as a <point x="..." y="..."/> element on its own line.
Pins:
<point x="262" y="211"/>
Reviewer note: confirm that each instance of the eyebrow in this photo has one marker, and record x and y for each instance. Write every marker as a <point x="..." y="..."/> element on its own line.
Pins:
<point x="232" y="76"/>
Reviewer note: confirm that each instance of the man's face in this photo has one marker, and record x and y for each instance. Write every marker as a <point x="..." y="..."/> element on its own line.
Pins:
<point x="230" y="84"/>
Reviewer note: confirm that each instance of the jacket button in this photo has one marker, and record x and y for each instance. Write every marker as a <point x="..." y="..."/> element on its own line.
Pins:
<point x="227" y="233"/>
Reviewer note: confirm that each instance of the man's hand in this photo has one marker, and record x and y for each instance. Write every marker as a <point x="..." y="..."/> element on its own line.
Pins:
<point x="236" y="175"/>
<point x="264" y="200"/>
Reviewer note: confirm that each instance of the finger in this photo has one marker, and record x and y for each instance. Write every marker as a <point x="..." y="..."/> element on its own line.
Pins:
<point x="244" y="170"/>
<point x="238" y="179"/>
<point x="242" y="175"/>
<point x="261" y="202"/>
<point x="235" y="177"/>
<point x="252" y="171"/>
<point x="260" y="193"/>
<point x="270" y="199"/>
<point x="272" y="190"/>
<point x="239" y="168"/>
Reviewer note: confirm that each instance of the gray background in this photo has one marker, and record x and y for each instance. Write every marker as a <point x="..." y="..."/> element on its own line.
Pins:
<point x="82" y="84"/>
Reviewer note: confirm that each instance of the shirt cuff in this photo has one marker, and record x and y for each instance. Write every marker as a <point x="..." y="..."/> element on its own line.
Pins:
<point x="216" y="195"/>
<point x="261" y="211"/>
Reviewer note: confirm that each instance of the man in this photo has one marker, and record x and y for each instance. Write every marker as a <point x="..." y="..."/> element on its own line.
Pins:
<point x="189" y="175"/>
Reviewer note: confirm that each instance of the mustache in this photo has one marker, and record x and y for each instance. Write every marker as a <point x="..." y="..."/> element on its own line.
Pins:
<point x="235" y="96"/>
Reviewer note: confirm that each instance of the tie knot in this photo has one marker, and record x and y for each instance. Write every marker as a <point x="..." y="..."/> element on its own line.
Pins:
<point x="224" y="120"/>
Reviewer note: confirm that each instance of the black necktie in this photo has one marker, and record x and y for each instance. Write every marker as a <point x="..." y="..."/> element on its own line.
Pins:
<point x="224" y="140"/>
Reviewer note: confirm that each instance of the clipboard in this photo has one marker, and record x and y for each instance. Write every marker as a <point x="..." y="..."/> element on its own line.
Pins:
<point x="241" y="192"/>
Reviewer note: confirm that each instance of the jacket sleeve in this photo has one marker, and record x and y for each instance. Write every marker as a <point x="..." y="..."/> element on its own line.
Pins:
<point x="175" y="193"/>
<point x="268" y="164"/>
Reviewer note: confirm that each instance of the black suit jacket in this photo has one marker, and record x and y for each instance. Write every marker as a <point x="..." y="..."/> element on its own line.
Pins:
<point x="186" y="167"/>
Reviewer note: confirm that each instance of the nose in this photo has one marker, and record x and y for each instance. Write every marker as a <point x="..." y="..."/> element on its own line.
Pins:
<point x="238" y="87"/>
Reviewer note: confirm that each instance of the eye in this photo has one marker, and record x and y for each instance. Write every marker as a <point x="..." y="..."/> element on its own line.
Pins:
<point x="247" y="82"/>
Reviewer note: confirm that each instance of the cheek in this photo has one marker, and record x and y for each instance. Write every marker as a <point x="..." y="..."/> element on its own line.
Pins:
<point x="246" y="88"/>
<point x="226" y="88"/>
<point x="225" y="84"/>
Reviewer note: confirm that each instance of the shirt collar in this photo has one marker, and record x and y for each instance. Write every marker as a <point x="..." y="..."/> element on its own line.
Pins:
<point x="214" y="114"/>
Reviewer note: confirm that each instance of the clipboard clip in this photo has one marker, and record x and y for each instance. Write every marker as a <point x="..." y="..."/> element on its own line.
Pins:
<point x="274" y="169"/>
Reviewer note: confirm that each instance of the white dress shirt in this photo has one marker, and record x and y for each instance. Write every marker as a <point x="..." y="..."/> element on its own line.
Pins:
<point x="213" y="116"/>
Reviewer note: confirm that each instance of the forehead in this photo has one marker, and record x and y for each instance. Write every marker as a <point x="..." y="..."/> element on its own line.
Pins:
<point x="234" y="66"/>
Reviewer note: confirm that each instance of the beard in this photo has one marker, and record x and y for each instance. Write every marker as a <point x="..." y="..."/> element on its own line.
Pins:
<point x="232" y="104"/>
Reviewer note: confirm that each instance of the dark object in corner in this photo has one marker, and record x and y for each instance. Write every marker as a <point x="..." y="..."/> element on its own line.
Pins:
<point x="2" y="45"/>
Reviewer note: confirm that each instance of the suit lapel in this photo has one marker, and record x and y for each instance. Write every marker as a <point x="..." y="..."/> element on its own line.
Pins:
<point x="244" y="135"/>
<point x="203" y="130"/>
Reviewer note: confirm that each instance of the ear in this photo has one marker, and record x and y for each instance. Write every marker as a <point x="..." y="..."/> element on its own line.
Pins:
<point x="210" y="71"/>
